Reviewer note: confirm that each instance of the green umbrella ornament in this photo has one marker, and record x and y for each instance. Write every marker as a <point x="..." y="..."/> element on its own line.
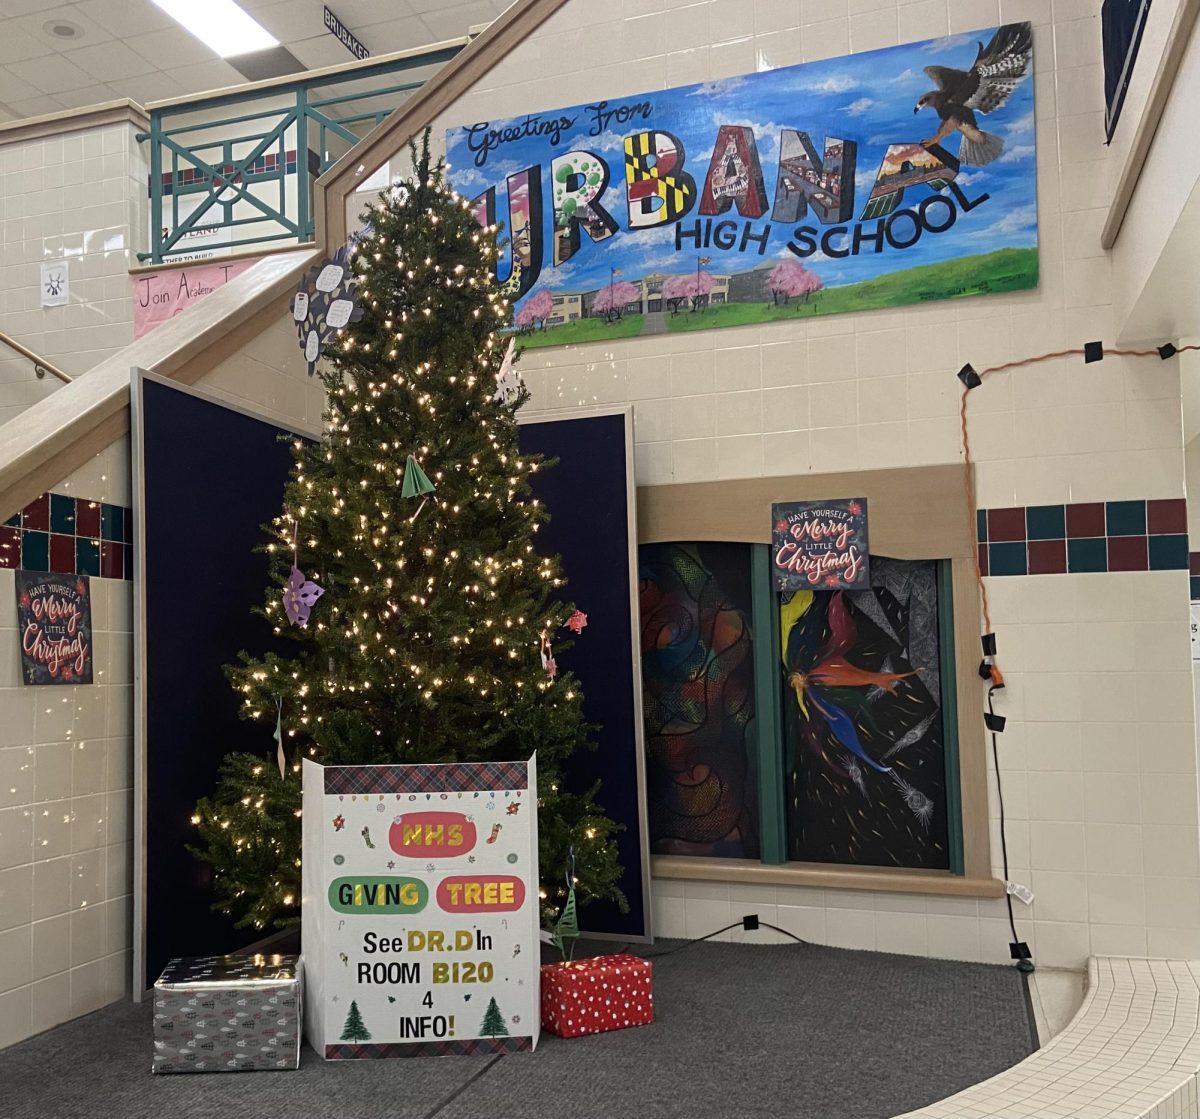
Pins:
<point x="416" y="484"/>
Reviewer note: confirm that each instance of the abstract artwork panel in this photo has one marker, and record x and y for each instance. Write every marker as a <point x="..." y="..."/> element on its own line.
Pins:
<point x="862" y="719"/>
<point x="698" y="689"/>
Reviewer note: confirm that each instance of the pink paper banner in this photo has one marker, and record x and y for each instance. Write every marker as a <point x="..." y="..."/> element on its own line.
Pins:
<point x="159" y="296"/>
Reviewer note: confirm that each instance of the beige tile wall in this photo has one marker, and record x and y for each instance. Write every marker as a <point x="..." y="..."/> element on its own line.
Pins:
<point x="78" y="197"/>
<point x="66" y="823"/>
<point x="1099" y="759"/>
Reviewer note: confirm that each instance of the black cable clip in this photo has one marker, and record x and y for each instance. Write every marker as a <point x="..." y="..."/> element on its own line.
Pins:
<point x="968" y="376"/>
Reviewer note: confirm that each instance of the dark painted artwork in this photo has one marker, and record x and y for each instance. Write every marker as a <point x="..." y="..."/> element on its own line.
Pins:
<point x="862" y="717"/>
<point x="698" y="688"/>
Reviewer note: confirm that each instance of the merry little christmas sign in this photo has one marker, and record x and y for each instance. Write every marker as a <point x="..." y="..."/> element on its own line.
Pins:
<point x="54" y="625"/>
<point x="820" y="545"/>
<point x="420" y="909"/>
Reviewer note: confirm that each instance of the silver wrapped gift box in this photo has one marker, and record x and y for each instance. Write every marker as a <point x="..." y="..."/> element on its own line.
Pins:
<point x="228" y="1014"/>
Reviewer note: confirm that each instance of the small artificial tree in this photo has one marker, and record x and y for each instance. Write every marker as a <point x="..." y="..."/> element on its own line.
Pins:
<point x="433" y="641"/>
<point x="493" y="1023"/>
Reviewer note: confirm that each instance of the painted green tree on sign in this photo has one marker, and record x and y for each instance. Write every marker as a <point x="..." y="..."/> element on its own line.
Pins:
<point x="355" y="1029"/>
<point x="493" y="1023"/>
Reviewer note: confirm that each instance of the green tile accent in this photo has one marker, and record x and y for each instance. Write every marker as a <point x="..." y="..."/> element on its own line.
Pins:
<point x="1007" y="558"/>
<point x="1046" y="522"/>
<point x="35" y="550"/>
<point x="112" y="525"/>
<point x="1088" y="554"/>
<point x="1125" y="518"/>
<point x="87" y="557"/>
<point x="62" y="514"/>
<point x="1169" y="553"/>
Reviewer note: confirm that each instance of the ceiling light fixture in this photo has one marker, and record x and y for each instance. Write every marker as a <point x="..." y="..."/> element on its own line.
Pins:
<point x="221" y="25"/>
<point x="62" y="29"/>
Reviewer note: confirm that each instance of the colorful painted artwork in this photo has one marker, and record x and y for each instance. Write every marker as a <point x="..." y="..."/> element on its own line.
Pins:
<point x="889" y="177"/>
<point x="54" y="627"/>
<point x="698" y="699"/>
<point x="820" y="545"/>
<point x="862" y="716"/>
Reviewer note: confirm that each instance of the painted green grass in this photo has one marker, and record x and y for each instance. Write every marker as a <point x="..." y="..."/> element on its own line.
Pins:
<point x="581" y="330"/>
<point x="987" y="273"/>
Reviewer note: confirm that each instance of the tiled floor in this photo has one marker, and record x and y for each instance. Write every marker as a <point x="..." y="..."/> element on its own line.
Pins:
<point x="1131" y="1052"/>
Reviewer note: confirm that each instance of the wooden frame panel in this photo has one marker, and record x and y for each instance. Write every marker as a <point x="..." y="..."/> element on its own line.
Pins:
<point x="919" y="513"/>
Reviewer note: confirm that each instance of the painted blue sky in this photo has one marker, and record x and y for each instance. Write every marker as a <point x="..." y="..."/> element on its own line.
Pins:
<point x="865" y="97"/>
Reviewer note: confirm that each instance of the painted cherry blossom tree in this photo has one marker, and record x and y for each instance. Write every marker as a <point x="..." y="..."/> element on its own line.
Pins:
<point x="693" y="287"/>
<point x="536" y="308"/>
<point x="611" y="299"/>
<point x="790" y="278"/>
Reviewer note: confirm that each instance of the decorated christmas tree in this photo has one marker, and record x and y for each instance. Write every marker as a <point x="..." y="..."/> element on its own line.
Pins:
<point x="405" y="569"/>
<point x="355" y="1029"/>
<point x="493" y="1023"/>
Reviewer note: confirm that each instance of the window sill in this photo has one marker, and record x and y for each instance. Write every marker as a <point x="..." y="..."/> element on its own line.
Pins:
<point x="825" y="876"/>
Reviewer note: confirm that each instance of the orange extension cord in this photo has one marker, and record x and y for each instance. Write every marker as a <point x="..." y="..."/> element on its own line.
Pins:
<point x="997" y="678"/>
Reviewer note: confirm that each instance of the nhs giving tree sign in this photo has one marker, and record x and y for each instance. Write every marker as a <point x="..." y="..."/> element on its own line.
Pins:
<point x="873" y="180"/>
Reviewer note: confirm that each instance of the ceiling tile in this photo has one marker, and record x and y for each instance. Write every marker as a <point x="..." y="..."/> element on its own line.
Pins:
<point x="13" y="88"/>
<point x="18" y="46"/>
<point x="170" y="48"/>
<point x="155" y="86"/>
<point x="452" y="23"/>
<point x="14" y="8"/>
<point x="36" y="108"/>
<point x="288" y="21"/>
<point x="394" y="35"/>
<point x="123" y="18"/>
<point x="324" y="50"/>
<point x="90" y="95"/>
<point x="51" y="74"/>
<point x="203" y="76"/>
<point x="33" y="24"/>
<point x="107" y="61"/>
<point x="420" y="7"/>
<point x="360" y="13"/>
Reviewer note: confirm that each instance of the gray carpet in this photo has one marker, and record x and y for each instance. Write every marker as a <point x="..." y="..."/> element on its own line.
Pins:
<point x="801" y="1031"/>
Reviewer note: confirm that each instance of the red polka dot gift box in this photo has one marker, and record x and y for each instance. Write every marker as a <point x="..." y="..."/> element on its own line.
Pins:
<point x="592" y="996"/>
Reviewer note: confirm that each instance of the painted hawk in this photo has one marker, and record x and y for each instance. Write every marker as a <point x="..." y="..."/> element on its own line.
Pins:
<point x="998" y="69"/>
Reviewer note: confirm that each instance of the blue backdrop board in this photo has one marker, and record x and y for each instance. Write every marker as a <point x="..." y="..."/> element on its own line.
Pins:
<point x="209" y="476"/>
<point x="590" y="498"/>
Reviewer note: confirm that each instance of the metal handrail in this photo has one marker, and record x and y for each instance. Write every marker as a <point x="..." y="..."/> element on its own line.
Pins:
<point x="40" y="365"/>
<point x="252" y="150"/>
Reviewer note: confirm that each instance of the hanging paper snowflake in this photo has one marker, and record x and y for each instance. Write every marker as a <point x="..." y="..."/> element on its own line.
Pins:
<point x="324" y="304"/>
<point x="299" y="597"/>
<point x="577" y="622"/>
<point x="508" y="380"/>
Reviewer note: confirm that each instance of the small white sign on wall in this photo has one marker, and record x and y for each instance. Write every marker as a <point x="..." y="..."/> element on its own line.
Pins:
<point x="55" y="283"/>
<point x="1196" y="631"/>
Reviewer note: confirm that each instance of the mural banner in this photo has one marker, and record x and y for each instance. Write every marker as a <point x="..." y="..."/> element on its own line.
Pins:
<point x="420" y="909"/>
<point x="878" y="179"/>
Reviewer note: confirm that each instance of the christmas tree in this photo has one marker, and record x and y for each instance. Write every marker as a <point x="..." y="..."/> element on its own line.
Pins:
<point x="433" y="641"/>
<point x="355" y="1029"/>
<point x="493" y="1023"/>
